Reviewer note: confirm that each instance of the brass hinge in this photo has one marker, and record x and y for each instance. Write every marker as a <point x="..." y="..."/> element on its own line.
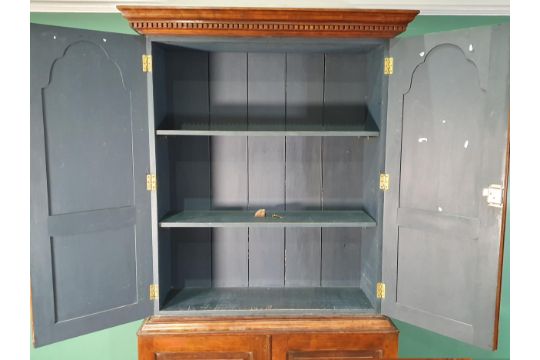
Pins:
<point x="384" y="181"/>
<point x="388" y="65"/>
<point x="147" y="63"/>
<point x="151" y="182"/>
<point x="153" y="292"/>
<point x="381" y="290"/>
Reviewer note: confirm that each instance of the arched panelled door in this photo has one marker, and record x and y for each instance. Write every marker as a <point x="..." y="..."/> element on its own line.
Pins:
<point x="90" y="211"/>
<point x="446" y="152"/>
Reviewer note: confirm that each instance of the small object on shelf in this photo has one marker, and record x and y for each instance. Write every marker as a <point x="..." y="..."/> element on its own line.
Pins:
<point x="276" y="216"/>
<point x="260" y="213"/>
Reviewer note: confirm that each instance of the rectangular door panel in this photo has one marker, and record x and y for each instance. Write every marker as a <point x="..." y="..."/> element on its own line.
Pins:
<point x="204" y="347"/>
<point x="76" y="257"/>
<point x="364" y="345"/>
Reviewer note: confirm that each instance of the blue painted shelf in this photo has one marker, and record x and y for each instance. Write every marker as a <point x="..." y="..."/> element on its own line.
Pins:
<point x="243" y="218"/>
<point x="347" y="128"/>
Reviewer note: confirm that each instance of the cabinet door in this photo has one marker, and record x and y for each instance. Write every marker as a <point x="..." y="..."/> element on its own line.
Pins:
<point x="446" y="145"/>
<point x="204" y="347"/>
<point x="335" y="346"/>
<point x="90" y="214"/>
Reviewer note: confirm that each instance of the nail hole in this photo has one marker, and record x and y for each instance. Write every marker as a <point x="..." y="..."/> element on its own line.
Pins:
<point x="54" y="37"/>
<point x="444" y="121"/>
<point x="466" y="145"/>
<point x="471" y="48"/>
<point x="440" y="209"/>
<point x="104" y="40"/>
<point x="422" y="54"/>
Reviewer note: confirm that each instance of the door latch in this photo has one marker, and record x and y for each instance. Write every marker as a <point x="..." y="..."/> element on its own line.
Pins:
<point x="494" y="195"/>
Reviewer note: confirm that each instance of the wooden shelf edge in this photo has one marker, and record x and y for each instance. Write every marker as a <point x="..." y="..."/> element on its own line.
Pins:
<point x="288" y="133"/>
<point x="160" y="325"/>
<point x="267" y="22"/>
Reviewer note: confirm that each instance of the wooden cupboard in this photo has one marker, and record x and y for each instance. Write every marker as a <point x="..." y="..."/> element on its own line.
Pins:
<point x="382" y="166"/>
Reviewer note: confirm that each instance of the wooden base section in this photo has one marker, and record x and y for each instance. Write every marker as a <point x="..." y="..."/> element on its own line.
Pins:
<point x="276" y="338"/>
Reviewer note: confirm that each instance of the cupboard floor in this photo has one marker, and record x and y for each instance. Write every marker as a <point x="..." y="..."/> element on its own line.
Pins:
<point x="295" y="300"/>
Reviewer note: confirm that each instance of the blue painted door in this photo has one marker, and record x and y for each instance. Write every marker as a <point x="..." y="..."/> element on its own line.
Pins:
<point x="91" y="262"/>
<point x="446" y="152"/>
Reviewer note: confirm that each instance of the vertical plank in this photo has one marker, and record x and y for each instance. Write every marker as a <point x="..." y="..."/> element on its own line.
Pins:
<point x="191" y="248"/>
<point x="266" y="156"/>
<point x="346" y="89"/>
<point x="304" y="101"/>
<point x="190" y="157"/>
<point x="165" y="279"/>
<point x="340" y="257"/>
<point x="161" y="95"/>
<point x="373" y="152"/>
<point x="188" y="74"/>
<point x="304" y="89"/>
<point x="344" y="100"/>
<point x="164" y="206"/>
<point x="190" y="162"/>
<point x="228" y="105"/>
<point x="191" y="251"/>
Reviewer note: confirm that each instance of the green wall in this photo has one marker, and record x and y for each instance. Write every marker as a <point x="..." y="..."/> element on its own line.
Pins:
<point x="120" y="342"/>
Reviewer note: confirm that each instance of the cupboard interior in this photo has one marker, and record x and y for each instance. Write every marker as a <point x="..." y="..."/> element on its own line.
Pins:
<point x="277" y="88"/>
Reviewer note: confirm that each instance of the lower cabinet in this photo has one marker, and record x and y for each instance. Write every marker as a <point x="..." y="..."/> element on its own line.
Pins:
<point x="351" y="338"/>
